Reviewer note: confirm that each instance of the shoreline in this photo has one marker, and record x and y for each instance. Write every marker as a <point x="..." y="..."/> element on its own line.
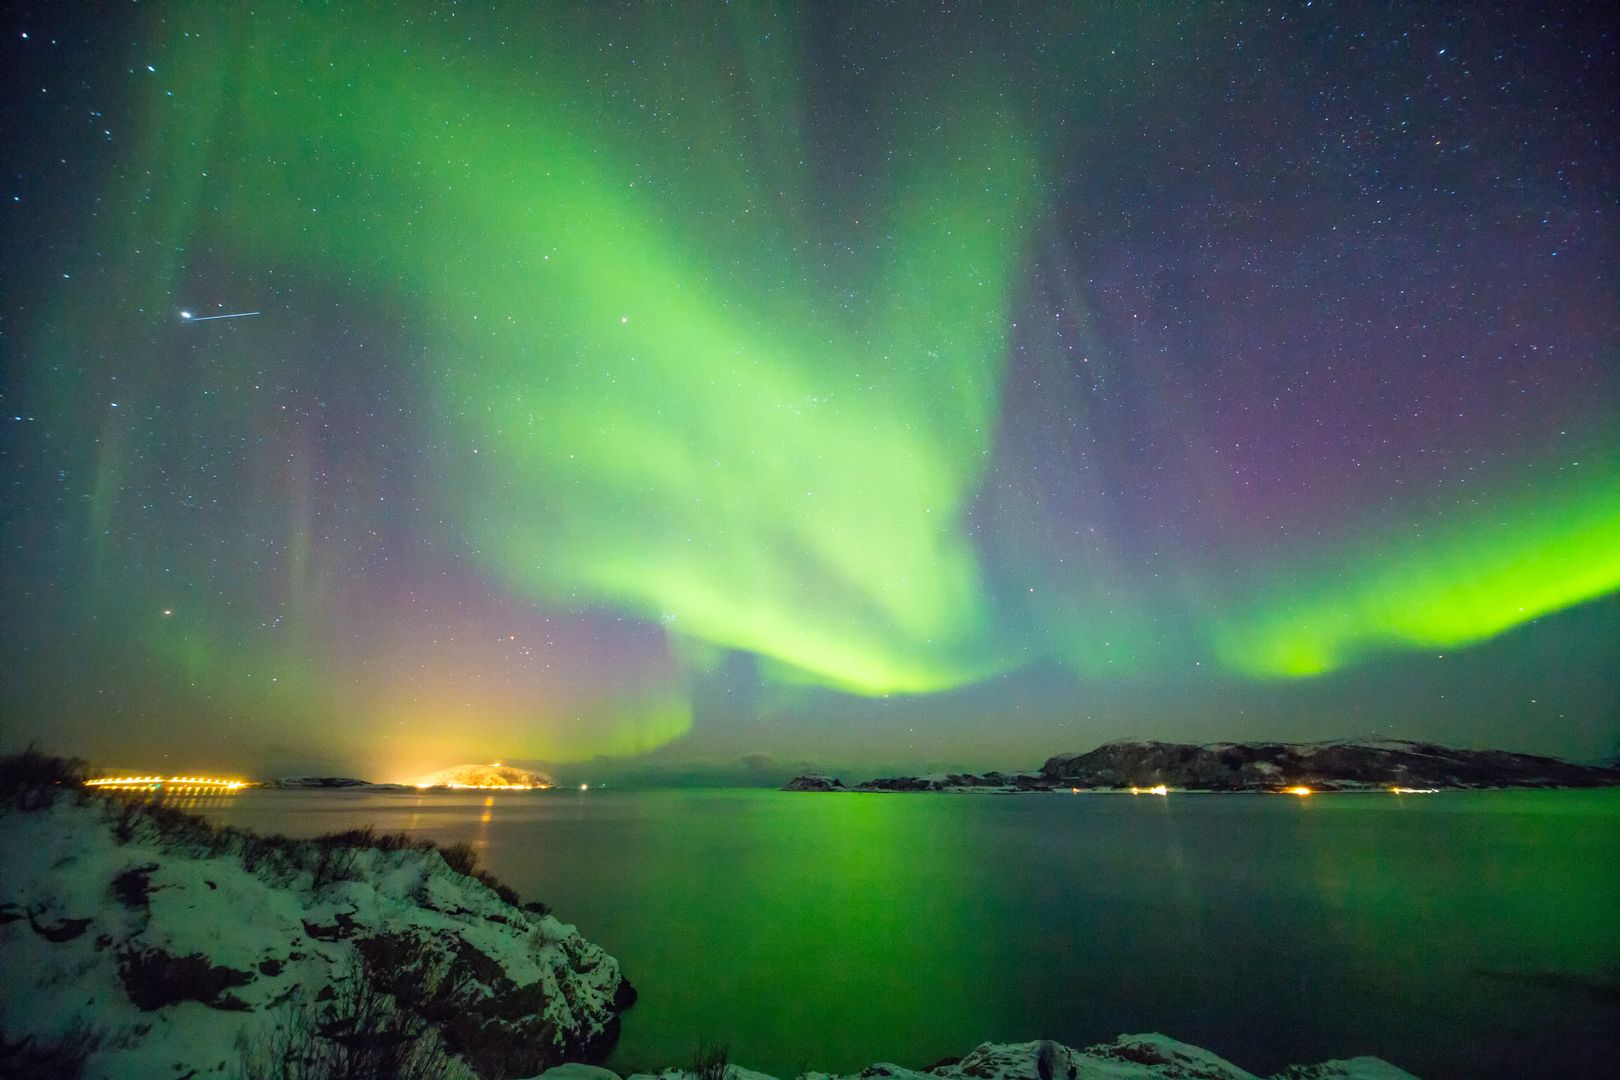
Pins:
<point x="389" y="808"/>
<point x="137" y="919"/>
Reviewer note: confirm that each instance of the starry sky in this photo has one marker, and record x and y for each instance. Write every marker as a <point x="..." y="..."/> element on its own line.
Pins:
<point x="712" y="390"/>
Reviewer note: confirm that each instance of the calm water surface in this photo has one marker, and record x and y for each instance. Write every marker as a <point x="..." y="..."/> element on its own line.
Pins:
<point x="1457" y="935"/>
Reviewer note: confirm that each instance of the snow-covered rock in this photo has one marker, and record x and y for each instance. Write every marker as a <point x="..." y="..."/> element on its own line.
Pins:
<point x="576" y="1071"/>
<point x="158" y="945"/>
<point x="1356" y="1068"/>
<point x="1129" y="1057"/>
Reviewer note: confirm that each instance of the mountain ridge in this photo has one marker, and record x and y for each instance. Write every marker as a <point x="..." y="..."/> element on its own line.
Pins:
<point x="1263" y="766"/>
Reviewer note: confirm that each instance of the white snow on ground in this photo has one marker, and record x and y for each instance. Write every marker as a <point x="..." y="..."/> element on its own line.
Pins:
<point x="284" y="940"/>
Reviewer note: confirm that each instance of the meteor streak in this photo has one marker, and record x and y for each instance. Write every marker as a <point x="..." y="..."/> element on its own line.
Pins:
<point x="189" y="317"/>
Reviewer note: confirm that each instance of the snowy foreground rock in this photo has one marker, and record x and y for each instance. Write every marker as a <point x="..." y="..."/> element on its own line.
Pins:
<point x="1129" y="1057"/>
<point x="142" y="942"/>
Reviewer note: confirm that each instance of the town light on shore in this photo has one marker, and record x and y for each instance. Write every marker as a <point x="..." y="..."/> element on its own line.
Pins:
<point x="1297" y="789"/>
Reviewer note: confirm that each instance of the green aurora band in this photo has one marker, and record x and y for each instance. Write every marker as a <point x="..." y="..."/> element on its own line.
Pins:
<point x="660" y="382"/>
<point x="766" y="469"/>
<point x="1448" y="581"/>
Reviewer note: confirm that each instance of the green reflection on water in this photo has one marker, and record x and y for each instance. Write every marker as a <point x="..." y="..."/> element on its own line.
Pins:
<point x="1460" y="934"/>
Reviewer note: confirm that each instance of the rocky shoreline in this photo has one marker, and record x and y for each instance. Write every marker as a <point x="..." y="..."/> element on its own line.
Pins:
<point x="1257" y="767"/>
<point x="143" y="941"/>
<point x="140" y="940"/>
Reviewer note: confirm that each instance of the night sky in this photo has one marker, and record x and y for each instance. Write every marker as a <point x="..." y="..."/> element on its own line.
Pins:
<point x="726" y="388"/>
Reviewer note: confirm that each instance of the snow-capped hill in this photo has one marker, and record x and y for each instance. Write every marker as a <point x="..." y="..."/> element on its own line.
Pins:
<point x="483" y="776"/>
<point x="1324" y="766"/>
<point x="1129" y="1057"/>
<point x="150" y="943"/>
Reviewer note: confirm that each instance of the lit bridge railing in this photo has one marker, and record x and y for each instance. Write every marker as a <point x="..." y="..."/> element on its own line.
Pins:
<point x="191" y="784"/>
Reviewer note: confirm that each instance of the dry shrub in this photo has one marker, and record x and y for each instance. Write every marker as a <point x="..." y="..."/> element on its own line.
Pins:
<point x="461" y="857"/>
<point x="360" y="1034"/>
<point x="31" y="779"/>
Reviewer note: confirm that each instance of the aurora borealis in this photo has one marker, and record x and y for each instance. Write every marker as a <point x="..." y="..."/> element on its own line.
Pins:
<point x="846" y="383"/>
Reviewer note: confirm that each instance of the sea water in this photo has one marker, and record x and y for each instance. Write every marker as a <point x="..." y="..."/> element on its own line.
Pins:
<point x="1461" y="934"/>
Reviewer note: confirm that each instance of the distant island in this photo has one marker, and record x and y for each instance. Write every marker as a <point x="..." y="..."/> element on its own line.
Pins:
<point x="1300" y="768"/>
<point x="328" y="783"/>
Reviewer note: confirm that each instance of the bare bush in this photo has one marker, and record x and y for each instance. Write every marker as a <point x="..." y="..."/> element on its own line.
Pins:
<point x="361" y="1034"/>
<point x="499" y="887"/>
<point x="709" y="1062"/>
<point x="333" y="863"/>
<point x="461" y="857"/>
<point x="29" y="779"/>
<point x="126" y="816"/>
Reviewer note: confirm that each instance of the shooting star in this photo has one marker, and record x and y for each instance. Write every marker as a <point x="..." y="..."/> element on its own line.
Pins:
<point x="189" y="317"/>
